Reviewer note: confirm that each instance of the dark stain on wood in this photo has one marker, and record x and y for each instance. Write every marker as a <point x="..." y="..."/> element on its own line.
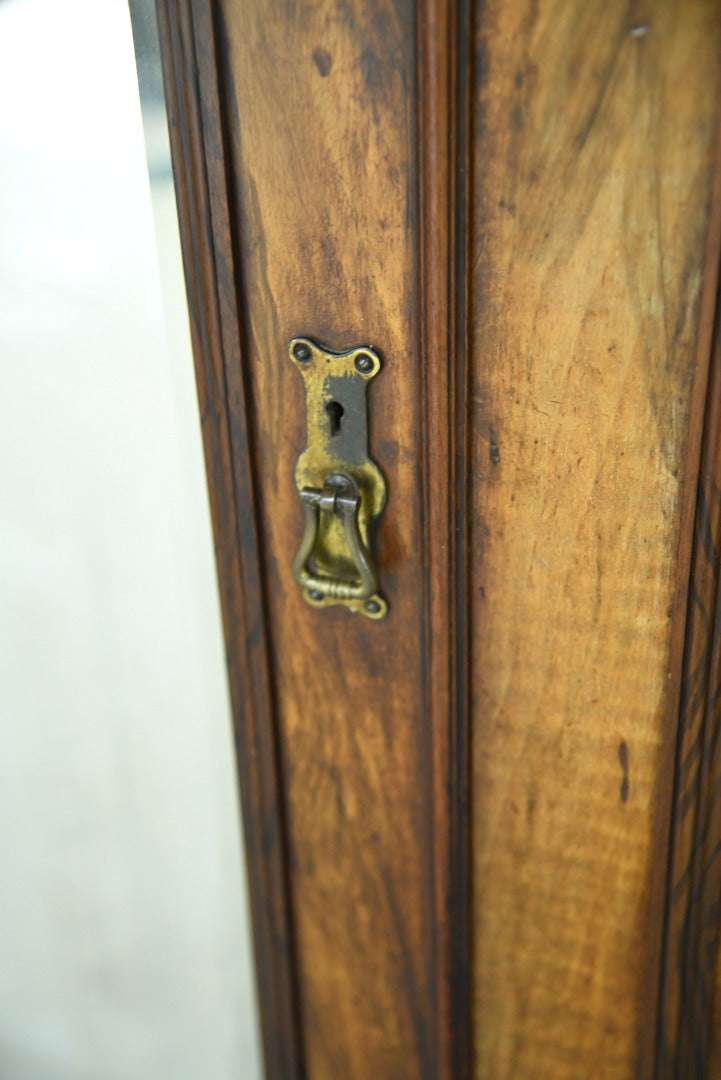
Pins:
<point x="322" y="60"/>
<point x="494" y="449"/>
<point x="623" y="758"/>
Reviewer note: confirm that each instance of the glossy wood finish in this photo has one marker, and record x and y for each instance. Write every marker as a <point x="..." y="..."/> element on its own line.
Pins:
<point x="595" y="261"/>
<point x="458" y="820"/>
<point x="444" y="109"/>
<point x="322" y="151"/>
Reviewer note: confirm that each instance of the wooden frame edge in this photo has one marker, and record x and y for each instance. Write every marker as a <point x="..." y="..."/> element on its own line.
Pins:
<point x="692" y="886"/>
<point x="189" y="56"/>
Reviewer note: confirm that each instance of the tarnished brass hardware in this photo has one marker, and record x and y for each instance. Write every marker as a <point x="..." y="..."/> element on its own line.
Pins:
<point x="340" y="486"/>
<point x="339" y="495"/>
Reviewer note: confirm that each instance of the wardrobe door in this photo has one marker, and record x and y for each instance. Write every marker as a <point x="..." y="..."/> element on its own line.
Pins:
<point x="452" y="272"/>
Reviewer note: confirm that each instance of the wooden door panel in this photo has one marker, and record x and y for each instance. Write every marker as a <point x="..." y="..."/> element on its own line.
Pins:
<point x="322" y="147"/>
<point x="595" y="249"/>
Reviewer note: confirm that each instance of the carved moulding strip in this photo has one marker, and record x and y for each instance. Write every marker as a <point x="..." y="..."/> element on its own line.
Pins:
<point x="444" y="75"/>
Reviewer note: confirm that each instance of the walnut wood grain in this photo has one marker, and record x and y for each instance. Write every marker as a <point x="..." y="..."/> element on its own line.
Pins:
<point x="595" y="157"/>
<point x="690" y="1002"/>
<point x="322" y="144"/>
<point x="536" y="262"/>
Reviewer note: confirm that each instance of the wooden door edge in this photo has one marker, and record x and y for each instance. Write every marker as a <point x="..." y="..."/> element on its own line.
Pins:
<point x="692" y="891"/>
<point x="190" y="63"/>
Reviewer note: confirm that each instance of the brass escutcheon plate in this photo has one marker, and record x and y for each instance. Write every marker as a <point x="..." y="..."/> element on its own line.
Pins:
<point x="337" y="443"/>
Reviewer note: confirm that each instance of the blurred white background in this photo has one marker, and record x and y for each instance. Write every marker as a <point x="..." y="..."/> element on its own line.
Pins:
<point x="124" y="948"/>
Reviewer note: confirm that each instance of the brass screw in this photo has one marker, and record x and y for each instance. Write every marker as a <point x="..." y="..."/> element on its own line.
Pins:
<point x="301" y="352"/>
<point x="363" y="363"/>
<point x="373" y="606"/>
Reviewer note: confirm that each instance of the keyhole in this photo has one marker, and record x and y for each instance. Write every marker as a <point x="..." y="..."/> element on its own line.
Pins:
<point x="335" y="412"/>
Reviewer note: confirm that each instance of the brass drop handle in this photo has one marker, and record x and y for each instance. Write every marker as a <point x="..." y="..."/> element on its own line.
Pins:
<point x="339" y="496"/>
